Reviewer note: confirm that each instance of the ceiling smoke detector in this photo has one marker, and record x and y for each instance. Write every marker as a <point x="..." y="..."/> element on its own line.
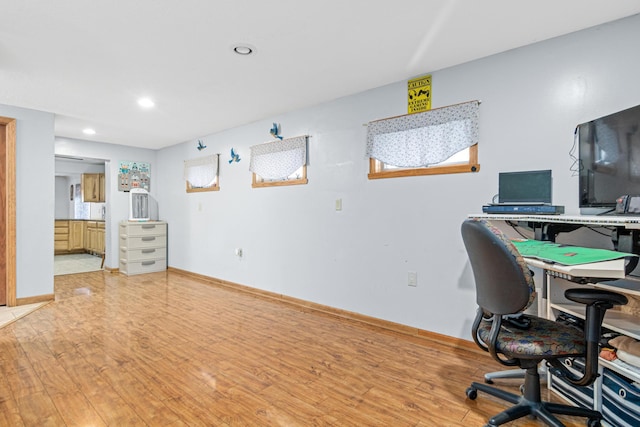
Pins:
<point x="243" y="49"/>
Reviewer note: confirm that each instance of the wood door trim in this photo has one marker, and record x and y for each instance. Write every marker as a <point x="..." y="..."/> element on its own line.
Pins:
<point x="9" y="238"/>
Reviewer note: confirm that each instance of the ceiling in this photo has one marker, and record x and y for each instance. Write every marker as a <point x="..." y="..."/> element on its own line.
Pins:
<point x="89" y="61"/>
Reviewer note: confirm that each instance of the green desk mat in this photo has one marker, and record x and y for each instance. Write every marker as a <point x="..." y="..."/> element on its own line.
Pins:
<point x="563" y="254"/>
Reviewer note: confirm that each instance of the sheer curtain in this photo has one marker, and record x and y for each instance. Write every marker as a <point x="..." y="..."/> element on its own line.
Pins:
<point x="201" y="172"/>
<point x="279" y="159"/>
<point x="423" y="139"/>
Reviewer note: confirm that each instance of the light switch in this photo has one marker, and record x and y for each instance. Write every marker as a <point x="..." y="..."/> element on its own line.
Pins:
<point x="413" y="278"/>
<point x="338" y="204"/>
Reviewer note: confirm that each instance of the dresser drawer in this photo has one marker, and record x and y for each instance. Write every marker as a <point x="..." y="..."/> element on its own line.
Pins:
<point x="61" y="237"/>
<point x="144" y="229"/>
<point x="61" y="245"/>
<point x="143" y="247"/>
<point x="143" y="254"/>
<point x="140" y="267"/>
<point x="143" y="242"/>
<point x="61" y="227"/>
<point x="620" y="400"/>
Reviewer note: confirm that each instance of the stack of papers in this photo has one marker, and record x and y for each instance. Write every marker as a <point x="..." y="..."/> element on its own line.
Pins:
<point x="574" y="261"/>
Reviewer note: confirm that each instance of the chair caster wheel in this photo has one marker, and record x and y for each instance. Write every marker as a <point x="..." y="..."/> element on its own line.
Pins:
<point x="593" y="423"/>
<point x="472" y="393"/>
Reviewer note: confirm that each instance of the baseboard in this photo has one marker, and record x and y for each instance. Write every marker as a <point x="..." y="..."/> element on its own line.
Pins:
<point x="343" y="314"/>
<point x="35" y="299"/>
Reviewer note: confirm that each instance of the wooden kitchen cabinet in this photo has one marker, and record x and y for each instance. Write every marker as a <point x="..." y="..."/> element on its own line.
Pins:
<point x="93" y="187"/>
<point x="76" y="236"/>
<point x="94" y="237"/>
<point x="61" y="237"/>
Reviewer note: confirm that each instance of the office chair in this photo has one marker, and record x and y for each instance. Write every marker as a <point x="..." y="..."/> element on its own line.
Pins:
<point x="504" y="286"/>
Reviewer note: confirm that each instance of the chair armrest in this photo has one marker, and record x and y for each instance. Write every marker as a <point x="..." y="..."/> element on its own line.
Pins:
<point x="598" y="301"/>
<point x="595" y="296"/>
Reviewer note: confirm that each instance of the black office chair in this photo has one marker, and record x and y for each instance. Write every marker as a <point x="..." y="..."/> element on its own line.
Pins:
<point x="504" y="286"/>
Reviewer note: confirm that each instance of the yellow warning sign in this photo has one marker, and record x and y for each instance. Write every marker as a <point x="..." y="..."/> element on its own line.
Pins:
<point x="419" y="94"/>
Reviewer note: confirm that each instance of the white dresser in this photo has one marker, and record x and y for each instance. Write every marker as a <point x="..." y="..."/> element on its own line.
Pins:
<point x="143" y="247"/>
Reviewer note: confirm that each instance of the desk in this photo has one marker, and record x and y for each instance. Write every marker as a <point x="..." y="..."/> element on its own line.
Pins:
<point x="625" y="237"/>
<point x="582" y="273"/>
<point x="629" y="222"/>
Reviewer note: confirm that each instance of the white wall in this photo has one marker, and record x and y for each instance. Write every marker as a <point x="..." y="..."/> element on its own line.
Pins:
<point x="63" y="204"/>
<point x="34" y="200"/>
<point x="117" y="201"/>
<point x="295" y="243"/>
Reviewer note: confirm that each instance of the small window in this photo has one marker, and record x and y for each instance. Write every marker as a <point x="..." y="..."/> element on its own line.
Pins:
<point x="279" y="163"/>
<point x="296" y="178"/>
<point x="461" y="162"/>
<point x="438" y="141"/>
<point x="201" y="174"/>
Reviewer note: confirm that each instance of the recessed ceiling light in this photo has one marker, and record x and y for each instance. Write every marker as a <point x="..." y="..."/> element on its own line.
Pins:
<point x="146" y="103"/>
<point x="244" y="49"/>
<point x="89" y="131"/>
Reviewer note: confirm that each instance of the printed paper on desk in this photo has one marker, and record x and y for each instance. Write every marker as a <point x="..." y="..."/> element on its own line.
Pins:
<point x="564" y="254"/>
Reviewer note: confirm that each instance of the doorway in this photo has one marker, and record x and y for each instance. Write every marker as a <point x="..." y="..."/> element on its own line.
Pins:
<point x="80" y="208"/>
<point x="7" y="211"/>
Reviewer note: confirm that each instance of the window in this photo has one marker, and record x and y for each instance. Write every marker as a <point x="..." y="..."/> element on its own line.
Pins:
<point x="438" y="141"/>
<point x="279" y="163"/>
<point x="201" y="174"/>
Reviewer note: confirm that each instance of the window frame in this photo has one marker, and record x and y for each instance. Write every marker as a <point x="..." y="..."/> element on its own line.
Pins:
<point x="377" y="168"/>
<point x="258" y="182"/>
<point x="213" y="187"/>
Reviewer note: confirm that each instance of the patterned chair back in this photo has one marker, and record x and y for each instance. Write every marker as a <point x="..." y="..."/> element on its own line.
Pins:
<point x="504" y="283"/>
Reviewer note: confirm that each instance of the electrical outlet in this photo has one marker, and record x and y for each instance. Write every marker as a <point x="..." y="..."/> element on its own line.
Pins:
<point x="239" y="252"/>
<point x="413" y="279"/>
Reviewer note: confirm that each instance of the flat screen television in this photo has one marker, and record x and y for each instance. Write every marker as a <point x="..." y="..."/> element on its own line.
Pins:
<point x="609" y="158"/>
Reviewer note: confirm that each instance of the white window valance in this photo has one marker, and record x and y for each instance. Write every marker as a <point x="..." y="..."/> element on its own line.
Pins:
<point x="279" y="159"/>
<point x="423" y="139"/>
<point x="201" y="172"/>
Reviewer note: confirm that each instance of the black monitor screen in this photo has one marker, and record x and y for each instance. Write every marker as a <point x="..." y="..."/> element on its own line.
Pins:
<point x="609" y="158"/>
<point x="525" y="187"/>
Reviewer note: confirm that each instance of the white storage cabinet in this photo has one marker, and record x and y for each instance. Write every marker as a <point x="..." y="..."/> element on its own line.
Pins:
<point x="143" y="247"/>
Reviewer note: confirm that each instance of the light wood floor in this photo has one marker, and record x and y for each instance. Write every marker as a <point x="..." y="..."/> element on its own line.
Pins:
<point x="165" y="350"/>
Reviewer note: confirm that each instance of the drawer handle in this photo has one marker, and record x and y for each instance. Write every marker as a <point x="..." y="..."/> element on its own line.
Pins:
<point x="148" y="251"/>
<point x="148" y="226"/>
<point x="148" y="262"/>
<point x="148" y="239"/>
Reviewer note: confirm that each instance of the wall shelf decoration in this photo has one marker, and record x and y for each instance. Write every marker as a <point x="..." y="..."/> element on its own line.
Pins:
<point x="134" y="175"/>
